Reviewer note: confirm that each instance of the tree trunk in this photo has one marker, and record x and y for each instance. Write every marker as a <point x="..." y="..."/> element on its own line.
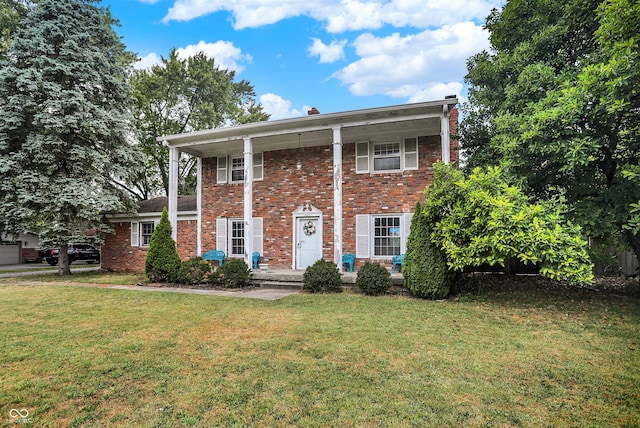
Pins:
<point x="63" y="260"/>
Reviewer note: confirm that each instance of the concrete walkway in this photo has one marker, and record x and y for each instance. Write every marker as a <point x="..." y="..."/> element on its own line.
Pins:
<point x="250" y="293"/>
<point x="253" y="293"/>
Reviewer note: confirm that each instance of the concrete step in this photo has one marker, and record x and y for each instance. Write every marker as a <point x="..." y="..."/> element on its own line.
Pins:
<point x="280" y="285"/>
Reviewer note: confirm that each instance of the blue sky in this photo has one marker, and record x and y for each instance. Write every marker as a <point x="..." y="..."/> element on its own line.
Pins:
<point x="335" y="55"/>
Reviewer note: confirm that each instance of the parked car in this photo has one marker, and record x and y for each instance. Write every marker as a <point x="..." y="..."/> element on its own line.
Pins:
<point x="76" y="252"/>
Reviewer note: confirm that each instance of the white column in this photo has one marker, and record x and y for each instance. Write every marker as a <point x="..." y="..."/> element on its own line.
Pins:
<point x="199" y="206"/>
<point x="337" y="197"/>
<point x="444" y="134"/>
<point x="248" y="201"/>
<point x="172" y="203"/>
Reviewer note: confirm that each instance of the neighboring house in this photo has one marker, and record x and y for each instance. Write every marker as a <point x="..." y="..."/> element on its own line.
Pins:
<point x="20" y="249"/>
<point x="297" y="190"/>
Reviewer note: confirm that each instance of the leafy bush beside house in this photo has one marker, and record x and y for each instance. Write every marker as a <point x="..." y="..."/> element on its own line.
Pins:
<point x="322" y="277"/>
<point x="481" y="219"/>
<point x="373" y="279"/>
<point x="234" y="273"/>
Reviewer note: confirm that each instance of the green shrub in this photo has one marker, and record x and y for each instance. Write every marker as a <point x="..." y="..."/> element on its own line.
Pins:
<point x="425" y="270"/>
<point x="373" y="279"/>
<point x="234" y="273"/>
<point x="162" y="263"/>
<point x="322" y="277"/>
<point x="194" y="271"/>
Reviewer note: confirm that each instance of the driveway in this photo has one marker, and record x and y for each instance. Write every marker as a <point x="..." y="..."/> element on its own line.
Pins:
<point x="27" y="269"/>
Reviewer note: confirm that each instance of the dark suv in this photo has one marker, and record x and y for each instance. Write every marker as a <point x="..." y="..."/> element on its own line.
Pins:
<point x="76" y="252"/>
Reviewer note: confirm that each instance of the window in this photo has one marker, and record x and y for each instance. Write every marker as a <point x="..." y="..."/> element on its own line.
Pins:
<point x="386" y="236"/>
<point x="231" y="234"/>
<point x="388" y="156"/>
<point x="237" y="169"/>
<point x="146" y="230"/>
<point x="237" y="237"/>
<point x="231" y="169"/>
<point x="141" y="233"/>
<point x="382" y="235"/>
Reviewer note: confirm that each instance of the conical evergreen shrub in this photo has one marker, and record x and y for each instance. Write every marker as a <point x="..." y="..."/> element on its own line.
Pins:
<point x="163" y="262"/>
<point x="425" y="270"/>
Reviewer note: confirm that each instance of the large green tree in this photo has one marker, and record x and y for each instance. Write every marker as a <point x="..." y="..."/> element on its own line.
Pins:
<point x="183" y="95"/>
<point x="65" y="124"/>
<point x="11" y="13"/>
<point x="555" y="102"/>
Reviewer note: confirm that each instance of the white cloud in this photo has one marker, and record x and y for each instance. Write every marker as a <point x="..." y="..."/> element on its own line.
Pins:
<point x="339" y="15"/>
<point x="328" y="53"/>
<point x="416" y="66"/>
<point x="225" y="53"/>
<point x="279" y="108"/>
<point x="148" y="61"/>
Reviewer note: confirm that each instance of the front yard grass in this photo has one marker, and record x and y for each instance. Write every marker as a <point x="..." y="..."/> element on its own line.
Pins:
<point x="75" y="356"/>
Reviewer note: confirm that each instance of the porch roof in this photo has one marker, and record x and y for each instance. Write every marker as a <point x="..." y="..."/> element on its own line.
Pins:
<point x="375" y="124"/>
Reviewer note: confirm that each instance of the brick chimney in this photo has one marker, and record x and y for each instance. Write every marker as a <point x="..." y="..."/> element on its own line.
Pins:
<point x="313" y="111"/>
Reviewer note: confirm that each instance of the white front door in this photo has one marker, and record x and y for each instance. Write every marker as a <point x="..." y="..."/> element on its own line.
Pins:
<point x="309" y="243"/>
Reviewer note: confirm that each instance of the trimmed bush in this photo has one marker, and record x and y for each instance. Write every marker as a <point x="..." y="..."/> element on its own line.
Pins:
<point x="322" y="277"/>
<point x="425" y="270"/>
<point x="194" y="271"/>
<point x="373" y="279"/>
<point x="163" y="262"/>
<point x="234" y="273"/>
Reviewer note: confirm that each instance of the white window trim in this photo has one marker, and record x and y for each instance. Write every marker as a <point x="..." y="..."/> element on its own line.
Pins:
<point x="404" y="156"/>
<point x="136" y="233"/>
<point x="365" y="229"/>
<point x="224" y="171"/>
<point x="223" y="235"/>
<point x="372" y="229"/>
<point x="230" y="237"/>
<point x="142" y="223"/>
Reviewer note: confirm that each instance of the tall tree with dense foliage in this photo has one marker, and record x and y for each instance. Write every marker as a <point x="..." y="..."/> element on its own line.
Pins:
<point x="556" y="104"/>
<point x="183" y="95"/>
<point x="11" y="13"/>
<point x="65" y="124"/>
<point x="481" y="219"/>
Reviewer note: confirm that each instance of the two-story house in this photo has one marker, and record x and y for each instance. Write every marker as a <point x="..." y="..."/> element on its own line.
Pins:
<point x="297" y="190"/>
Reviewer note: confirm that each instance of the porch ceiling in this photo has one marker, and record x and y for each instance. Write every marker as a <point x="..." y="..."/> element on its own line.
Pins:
<point x="381" y="124"/>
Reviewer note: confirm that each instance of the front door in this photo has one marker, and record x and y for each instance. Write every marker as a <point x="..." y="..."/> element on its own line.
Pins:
<point x="309" y="244"/>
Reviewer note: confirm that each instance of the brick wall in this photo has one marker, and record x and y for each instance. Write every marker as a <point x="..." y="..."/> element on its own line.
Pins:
<point x="118" y="255"/>
<point x="285" y="188"/>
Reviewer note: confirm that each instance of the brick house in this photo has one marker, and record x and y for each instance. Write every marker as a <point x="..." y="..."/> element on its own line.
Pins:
<point x="302" y="189"/>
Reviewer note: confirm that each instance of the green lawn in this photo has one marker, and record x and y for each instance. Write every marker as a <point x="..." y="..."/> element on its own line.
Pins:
<point x="77" y="356"/>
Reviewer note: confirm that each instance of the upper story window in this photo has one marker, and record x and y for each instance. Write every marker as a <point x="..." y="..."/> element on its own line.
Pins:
<point x="237" y="170"/>
<point x="231" y="168"/>
<point x="387" y="156"/>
